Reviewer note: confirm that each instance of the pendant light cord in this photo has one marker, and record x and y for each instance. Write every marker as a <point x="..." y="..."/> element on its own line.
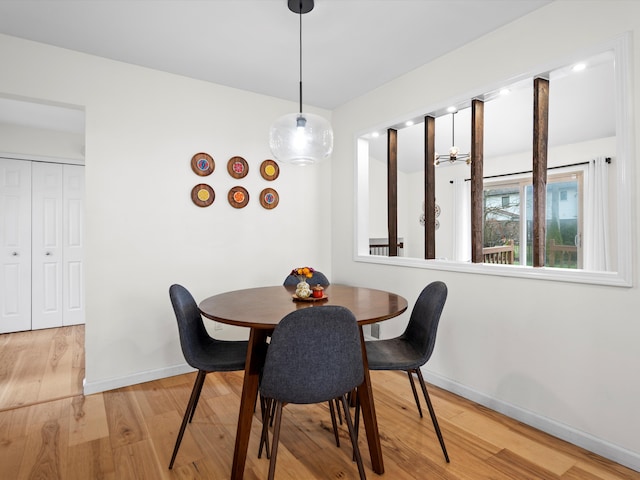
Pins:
<point x="453" y="129"/>
<point x="300" y="43"/>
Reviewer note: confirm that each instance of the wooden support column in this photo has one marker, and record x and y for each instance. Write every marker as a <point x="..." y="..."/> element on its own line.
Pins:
<point x="429" y="188"/>
<point x="540" y="139"/>
<point x="477" y="185"/>
<point x="392" y="191"/>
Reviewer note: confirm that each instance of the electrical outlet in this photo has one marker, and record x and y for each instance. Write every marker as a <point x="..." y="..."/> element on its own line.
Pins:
<point x="375" y="330"/>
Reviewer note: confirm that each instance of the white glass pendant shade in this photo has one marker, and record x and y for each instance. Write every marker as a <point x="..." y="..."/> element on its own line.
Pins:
<point x="301" y="138"/>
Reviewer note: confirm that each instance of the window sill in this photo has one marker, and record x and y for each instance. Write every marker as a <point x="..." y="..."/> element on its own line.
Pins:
<point x="613" y="279"/>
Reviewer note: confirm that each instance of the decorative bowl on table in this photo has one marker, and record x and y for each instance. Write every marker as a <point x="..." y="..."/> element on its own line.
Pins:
<point x="317" y="294"/>
<point x="303" y="290"/>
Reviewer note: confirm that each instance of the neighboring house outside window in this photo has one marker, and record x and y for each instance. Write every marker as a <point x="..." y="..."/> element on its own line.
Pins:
<point x="507" y="203"/>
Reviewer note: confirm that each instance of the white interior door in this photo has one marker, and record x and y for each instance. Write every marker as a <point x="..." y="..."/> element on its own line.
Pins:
<point x="15" y="245"/>
<point x="73" y="245"/>
<point x="47" y="248"/>
<point x="41" y="245"/>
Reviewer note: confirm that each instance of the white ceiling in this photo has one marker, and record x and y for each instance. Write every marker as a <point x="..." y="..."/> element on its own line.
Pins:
<point x="350" y="47"/>
<point x="581" y="108"/>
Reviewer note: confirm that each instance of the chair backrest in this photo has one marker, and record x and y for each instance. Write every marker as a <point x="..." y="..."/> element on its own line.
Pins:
<point x="318" y="278"/>
<point x="193" y="334"/>
<point x="315" y="355"/>
<point x="425" y="316"/>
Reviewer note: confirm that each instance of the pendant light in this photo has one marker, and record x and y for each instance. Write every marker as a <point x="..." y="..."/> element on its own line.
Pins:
<point x="454" y="154"/>
<point x="301" y="138"/>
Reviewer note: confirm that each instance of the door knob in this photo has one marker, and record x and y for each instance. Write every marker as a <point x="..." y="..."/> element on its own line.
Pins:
<point x="48" y="254"/>
<point x="15" y="254"/>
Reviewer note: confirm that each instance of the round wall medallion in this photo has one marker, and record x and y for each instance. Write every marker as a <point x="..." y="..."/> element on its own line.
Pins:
<point x="269" y="170"/>
<point x="269" y="198"/>
<point x="203" y="195"/>
<point x="422" y="221"/>
<point x="238" y="197"/>
<point x="237" y="167"/>
<point x="202" y="164"/>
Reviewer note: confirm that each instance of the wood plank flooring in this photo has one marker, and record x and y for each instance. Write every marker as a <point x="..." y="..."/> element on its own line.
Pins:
<point x="41" y="365"/>
<point x="49" y="430"/>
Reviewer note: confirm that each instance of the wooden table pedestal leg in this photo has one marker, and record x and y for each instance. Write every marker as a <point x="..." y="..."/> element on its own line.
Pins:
<point x="365" y="395"/>
<point x="255" y="361"/>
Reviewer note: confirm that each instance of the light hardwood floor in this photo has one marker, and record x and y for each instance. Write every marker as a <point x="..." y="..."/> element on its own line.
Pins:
<point x="49" y="430"/>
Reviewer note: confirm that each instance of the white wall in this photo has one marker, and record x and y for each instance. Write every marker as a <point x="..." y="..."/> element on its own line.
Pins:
<point x="561" y="356"/>
<point x="41" y="142"/>
<point x="143" y="231"/>
<point x="378" y="227"/>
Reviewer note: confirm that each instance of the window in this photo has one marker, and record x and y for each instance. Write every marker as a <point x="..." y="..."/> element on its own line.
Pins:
<point x="507" y="201"/>
<point x="507" y="204"/>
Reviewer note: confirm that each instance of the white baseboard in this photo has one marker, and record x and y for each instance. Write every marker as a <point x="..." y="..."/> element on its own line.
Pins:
<point x="141" y="377"/>
<point x="564" y="432"/>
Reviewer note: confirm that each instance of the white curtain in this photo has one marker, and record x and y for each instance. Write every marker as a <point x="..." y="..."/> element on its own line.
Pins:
<point x="462" y="220"/>
<point x="596" y="217"/>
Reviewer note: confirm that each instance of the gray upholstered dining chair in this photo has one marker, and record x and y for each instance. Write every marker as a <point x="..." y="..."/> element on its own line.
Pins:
<point x="318" y="278"/>
<point x="414" y="346"/>
<point x="315" y="355"/>
<point x="201" y="351"/>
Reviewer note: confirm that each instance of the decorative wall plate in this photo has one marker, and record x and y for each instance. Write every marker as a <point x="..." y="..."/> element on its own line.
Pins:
<point x="269" y="198"/>
<point x="202" y="164"/>
<point x="237" y="167"/>
<point x="238" y="197"/>
<point x="203" y="195"/>
<point x="269" y="170"/>
<point x="422" y="221"/>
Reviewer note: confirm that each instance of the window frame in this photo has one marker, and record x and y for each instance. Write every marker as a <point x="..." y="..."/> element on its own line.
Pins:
<point x="521" y="182"/>
<point x="624" y="233"/>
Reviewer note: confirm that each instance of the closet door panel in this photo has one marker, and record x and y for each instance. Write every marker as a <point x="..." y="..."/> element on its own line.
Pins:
<point x="47" y="248"/>
<point x="73" y="241"/>
<point x="15" y="245"/>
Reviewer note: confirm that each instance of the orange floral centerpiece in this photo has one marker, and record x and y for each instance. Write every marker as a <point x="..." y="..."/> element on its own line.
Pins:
<point x="302" y="289"/>
<point x="302" y="273"/>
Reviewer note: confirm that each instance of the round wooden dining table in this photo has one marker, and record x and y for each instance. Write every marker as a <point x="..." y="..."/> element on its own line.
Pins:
<point x="261" y="309"/>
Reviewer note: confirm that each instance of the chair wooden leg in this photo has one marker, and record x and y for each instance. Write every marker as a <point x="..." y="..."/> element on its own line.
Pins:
<point x="188" y="414"/>
<point x="433" y="414"/>
<point x="195" y="404"/>
<point x="356" y="420"/>
<point x="272" y="414"/>
<point x="415" y="392"/>
<point x="354" y="438"/>
<point x="356" y="415"/>
<point x="333" y="422"/>
<point x="338" y="409"/>
<point x="265" y="406"/>
<point x="276" y="439"/>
